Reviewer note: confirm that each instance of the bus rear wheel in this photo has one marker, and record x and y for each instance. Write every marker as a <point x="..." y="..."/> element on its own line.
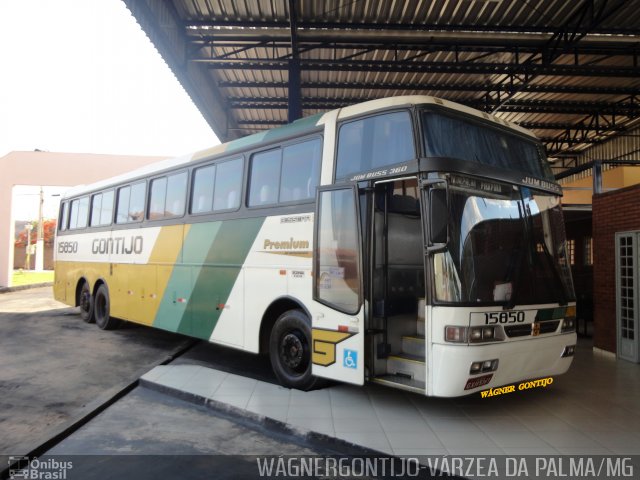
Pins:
<point x="86" y="303"/>
<point x="101" y="306"/>
<point x="290" y="350"/>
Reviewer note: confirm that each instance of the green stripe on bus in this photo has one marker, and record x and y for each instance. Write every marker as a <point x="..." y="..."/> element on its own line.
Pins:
<point x="218" y="275"/>
<point x="289" y="130"/>
<point x="196" y="245"/>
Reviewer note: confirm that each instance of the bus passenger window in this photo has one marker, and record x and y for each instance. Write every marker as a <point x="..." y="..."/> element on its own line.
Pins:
<point x="136" y="202"/>
<point x="176" y="193"/>
<point x="157" y="199"/>
<point x="101" y="209"/>
<point x="130" y="203"/>
<point x="64" y="207"/>
<point x="79" y="213"/>
<point x="228" y="185"/>
<point x="106" y="214"/>
<point x="123" y="204"/>
<point x="265" y="178"/>
<point x="73" y="216"/>
<point x="202" y="193"/>
<point x="96" y="207"/>
<point x="300" y="170"/>
<point x="168" y="196"/>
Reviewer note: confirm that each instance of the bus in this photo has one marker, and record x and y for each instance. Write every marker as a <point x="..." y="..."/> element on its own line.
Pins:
<point x="407" y="241"/>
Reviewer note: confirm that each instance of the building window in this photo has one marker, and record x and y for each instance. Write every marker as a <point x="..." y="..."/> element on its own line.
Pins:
<point x="571" y="251"/>
<point x="588" y="251"/>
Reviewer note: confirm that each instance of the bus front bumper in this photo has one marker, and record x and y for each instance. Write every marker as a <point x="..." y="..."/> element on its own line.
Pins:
<point x="534" y="358"/>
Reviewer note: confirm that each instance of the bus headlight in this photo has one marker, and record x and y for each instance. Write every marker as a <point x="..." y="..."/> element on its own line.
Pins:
<point x="456" y="334"/>
<point x="483" y="334"/>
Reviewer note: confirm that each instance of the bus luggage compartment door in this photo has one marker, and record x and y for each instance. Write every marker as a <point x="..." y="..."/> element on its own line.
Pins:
<point x="337" y="319"/>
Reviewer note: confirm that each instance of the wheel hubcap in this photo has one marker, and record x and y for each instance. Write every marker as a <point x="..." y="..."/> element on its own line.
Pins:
<point x="292" y="352"/>
<point x="85" y="301"/>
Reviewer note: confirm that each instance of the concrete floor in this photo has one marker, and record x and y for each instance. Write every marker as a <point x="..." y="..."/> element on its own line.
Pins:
<point x="53" y="365"/>
<point x="594" y="409"/>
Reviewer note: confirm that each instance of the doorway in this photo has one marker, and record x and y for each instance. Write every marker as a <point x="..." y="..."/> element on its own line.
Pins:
<point x="397" y="288"/>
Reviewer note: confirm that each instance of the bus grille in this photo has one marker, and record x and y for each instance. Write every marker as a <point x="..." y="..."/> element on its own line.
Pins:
<point x="525" y="330"/>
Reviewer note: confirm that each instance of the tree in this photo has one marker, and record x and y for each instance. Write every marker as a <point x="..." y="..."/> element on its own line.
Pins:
<point x="49" y="231"/>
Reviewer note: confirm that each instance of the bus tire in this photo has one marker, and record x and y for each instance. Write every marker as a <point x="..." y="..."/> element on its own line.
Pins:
<point x="290" y="350"/>
<point x="101" y="305"/>
<point x="86" y="303"/>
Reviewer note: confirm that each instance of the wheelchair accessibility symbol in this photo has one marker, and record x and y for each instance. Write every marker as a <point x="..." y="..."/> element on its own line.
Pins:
<point x="350" y="359"/>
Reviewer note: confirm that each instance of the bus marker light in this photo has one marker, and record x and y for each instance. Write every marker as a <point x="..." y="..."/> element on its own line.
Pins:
<point x="569" y="324"/>
<point x="343" y="328"/>
<point x="181" y="300"/>
<point x="283" y="272"/>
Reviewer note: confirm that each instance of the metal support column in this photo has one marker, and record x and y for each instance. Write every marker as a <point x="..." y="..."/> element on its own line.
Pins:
<point x="295" y="93"/>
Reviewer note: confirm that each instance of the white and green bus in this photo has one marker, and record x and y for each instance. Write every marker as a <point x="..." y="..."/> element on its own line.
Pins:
<point x="408" y="241"/>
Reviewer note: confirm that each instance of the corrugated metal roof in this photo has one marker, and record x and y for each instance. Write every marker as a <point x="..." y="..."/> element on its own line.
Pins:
<point x="567" y="70"/>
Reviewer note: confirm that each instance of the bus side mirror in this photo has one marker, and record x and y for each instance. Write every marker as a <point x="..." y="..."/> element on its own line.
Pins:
<point x="438" y="218"/>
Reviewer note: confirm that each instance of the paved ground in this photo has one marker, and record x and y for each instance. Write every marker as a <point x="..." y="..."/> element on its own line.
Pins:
<point x="594" y="409"/>
<point x="53" y="364"/>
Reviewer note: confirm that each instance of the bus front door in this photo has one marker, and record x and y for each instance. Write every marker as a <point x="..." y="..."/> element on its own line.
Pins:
<point x="338" y="320"/>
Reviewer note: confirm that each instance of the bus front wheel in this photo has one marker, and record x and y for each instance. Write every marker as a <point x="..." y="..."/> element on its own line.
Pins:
<point x="86" y="303"/>
<point x="290" y="350"/>
<point x="101" y="309"/>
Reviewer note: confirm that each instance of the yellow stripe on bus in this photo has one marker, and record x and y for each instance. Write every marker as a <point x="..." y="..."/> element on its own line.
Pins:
<point x="148" y="282"/>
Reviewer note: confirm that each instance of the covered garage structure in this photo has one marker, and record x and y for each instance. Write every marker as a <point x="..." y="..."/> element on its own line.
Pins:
<point x="568" y="71"/>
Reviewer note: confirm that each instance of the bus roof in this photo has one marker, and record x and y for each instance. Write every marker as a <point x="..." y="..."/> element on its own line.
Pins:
<point x="298" y="127"/>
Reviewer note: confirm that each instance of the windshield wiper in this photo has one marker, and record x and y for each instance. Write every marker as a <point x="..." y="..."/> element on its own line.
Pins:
<point x="549" y="257"/>
<point x="515" y="282"/>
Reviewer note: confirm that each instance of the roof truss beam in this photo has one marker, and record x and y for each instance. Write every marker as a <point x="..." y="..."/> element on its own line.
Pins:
<point x="629" y="107"/>
<point x="423" y="66"/>
<point x="266" y="25"/>
<point x="461" y="87"/>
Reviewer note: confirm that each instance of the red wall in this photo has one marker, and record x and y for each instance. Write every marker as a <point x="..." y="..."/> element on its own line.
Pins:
<point x="616" y="211"/>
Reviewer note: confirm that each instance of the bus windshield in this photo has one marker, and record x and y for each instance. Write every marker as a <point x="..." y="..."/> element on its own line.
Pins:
<point x="506" y="246"/>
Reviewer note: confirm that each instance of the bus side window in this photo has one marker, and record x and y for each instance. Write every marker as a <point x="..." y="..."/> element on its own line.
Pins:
<point x="79" y="213"/>
<point x="265" y="178"/>
<point x="123" y="204"/>
<point x="106" y="214"/>
<point x="157" y="199"/>
<point x="64" y="216"/>
<point x="96" y="209"/>
<point x="300" y="170"/>
<point x="167" y="197"/>
<point x="202" y="190"/>
<point x="228" y="185"/>
<point x="136" y="202"/>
